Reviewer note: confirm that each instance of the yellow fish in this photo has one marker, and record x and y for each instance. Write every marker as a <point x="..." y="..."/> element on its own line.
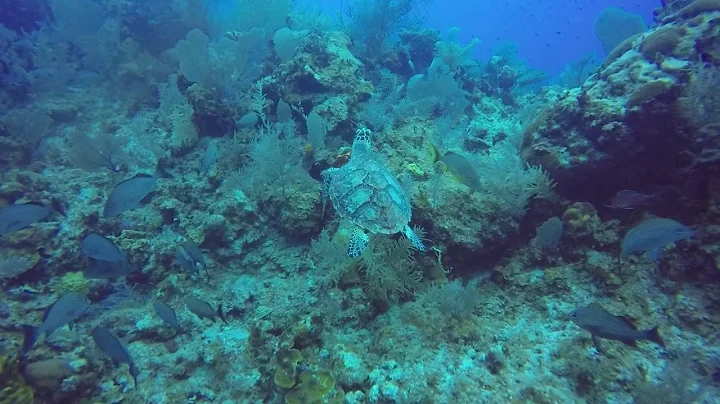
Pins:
<point x="459" y="167"/>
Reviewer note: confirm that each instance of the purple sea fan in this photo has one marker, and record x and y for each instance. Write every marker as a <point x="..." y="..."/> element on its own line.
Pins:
<point x="549" y="233"/>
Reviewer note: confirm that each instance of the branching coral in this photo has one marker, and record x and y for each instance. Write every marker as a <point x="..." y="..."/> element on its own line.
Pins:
<point x="388" y="266"/>
<point x="329" y="257"/>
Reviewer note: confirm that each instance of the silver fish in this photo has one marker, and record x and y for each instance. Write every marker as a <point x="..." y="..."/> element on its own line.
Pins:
<point x="128" y="194"/>
<point x="68" y="308"/>
<point x="109" y="343"/>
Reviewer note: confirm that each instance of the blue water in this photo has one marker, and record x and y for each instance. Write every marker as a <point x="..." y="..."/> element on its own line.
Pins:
<point x="548" y="34"/>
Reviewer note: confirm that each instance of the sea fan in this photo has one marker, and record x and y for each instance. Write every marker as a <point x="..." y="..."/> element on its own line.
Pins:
<point x="330" y="258"/>
<point x="388" y="266"/>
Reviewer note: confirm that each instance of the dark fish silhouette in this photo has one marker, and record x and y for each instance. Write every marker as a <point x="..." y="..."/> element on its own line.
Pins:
<point x="189" y="256"/>
<point x="128" y="194"/>
<point x="167" y="314"/>
<point x="100" y="248"/>
<point x="18" y="217"/>
<point x="602" y="324"/>
<point x="68" y="308"/>
<point x="109" y="343"/>
<point x="627" y="199"/>
<point x="194" y="252"/>
<point x="183" y="259"/>
<point x="203" y="309"/>
<point x="106" y="259"/>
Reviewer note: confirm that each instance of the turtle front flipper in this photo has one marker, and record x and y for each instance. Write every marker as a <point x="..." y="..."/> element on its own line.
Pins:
<point x="358" y="243"/>
<point x="327" y="178"/>
<point x="414" y="239"/>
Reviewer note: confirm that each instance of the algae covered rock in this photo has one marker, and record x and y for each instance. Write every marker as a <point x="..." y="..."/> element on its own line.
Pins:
<point x="629" y="125"/>
<point x="300" y="213"/>
<point x="329" y="75"/>
<point x="47" y="374"/>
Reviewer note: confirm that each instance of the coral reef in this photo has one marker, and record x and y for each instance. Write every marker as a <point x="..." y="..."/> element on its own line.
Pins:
<point x="14" y="389"/>
<point x="235" y="115"/>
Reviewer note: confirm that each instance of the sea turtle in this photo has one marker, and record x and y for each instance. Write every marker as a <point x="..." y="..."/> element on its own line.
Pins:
<point x="368" y="195"/>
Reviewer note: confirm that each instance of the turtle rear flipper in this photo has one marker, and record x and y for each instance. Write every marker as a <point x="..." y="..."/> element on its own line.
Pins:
<point x="414" y="239"/>
<point x="358" y="243"/>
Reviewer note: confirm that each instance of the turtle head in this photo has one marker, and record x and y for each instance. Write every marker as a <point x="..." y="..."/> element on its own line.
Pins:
<point x="362" y="144"/>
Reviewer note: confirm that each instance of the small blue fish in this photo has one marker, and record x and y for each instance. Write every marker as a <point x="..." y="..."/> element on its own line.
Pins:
<point x="209" y="159"/>
<point x="109" y="343"/>
<point x="18" y="217"/>
<point x="128" y="194"/>
<point x="68" y="308"/>
<point x="652" y="235"/>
